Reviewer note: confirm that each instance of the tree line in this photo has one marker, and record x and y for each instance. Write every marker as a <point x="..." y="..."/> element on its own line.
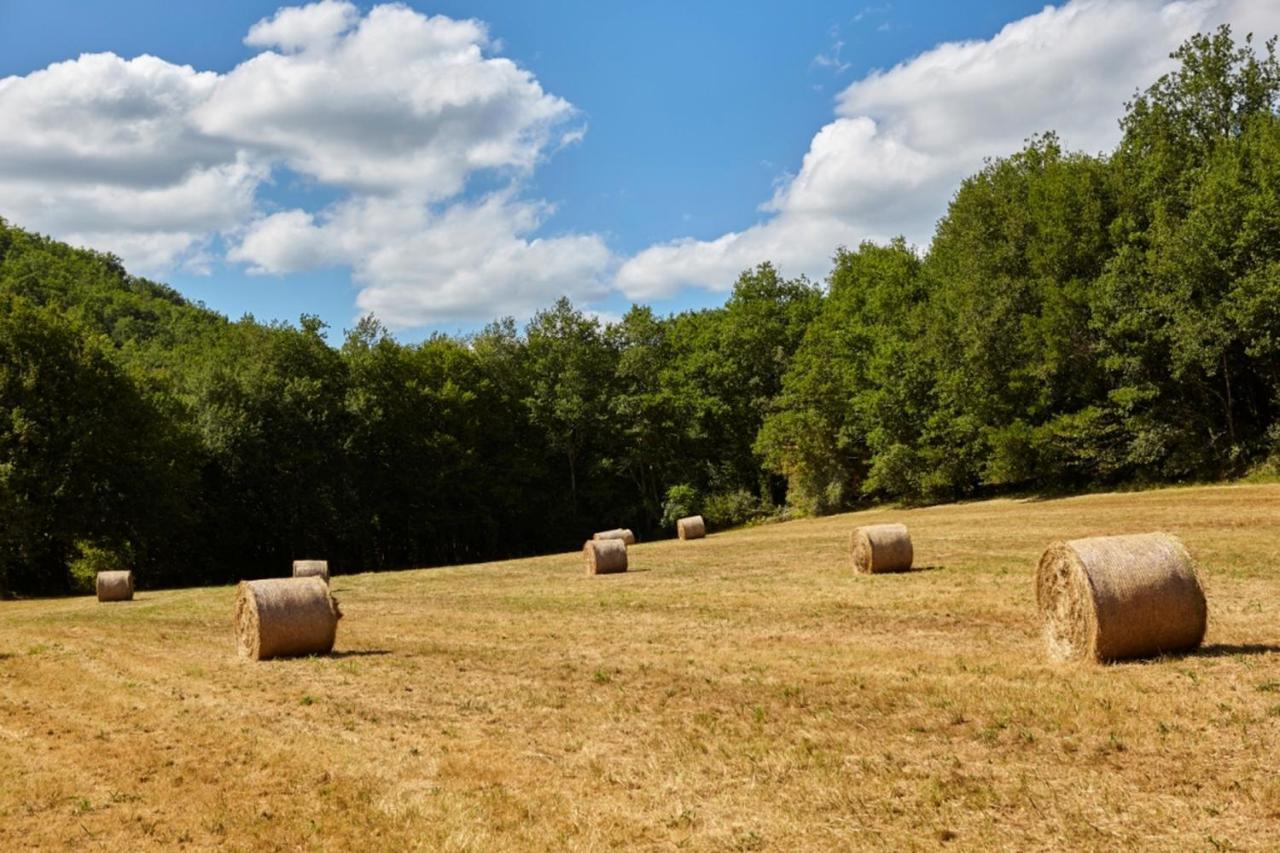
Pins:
<point x="1077" y="321"/>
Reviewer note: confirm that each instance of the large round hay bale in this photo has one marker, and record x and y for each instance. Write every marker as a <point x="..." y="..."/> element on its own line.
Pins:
<point x="311" y="569"/>
<point x="114" y="586"/>
<point x="605" y="556"/>
<point x="285" y="617"/>
<point x="1117" y="597"/>
<point x="692" y="527"/>
<point x="881" y="548"/>
<point x="622" y="533"/>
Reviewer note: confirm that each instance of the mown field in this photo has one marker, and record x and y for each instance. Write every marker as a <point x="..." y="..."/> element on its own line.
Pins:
<point x="743" y="692"/>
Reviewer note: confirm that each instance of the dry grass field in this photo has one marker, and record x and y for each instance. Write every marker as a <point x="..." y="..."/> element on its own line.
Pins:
<point x="742" y="692"/>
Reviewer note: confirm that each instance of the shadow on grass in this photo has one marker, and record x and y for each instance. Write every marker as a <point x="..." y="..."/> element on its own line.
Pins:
<point x="914" y="570"/>
<point x="360" y="653"/>
<point x="1222" y="650"/>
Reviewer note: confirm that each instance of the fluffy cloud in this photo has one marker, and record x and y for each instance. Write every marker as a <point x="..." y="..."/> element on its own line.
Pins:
<point x="298" y="28"/>
<point x="150" y="227"/>
<point x="470" y="261"/>
<point x="99" y="150"/>
<point x="394" y="109"/>
<point x="394" y="102"/>
<point x="904" y="138"/>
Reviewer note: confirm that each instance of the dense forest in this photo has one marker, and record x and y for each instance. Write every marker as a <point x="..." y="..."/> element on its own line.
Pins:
<point x="1077" y="321"/>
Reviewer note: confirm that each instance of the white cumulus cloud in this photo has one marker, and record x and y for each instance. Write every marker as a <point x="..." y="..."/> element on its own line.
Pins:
<point x="296" y="28"/>
<point x="903" y="138"/>
<point x="99" y="150"/>
<point x="394" y="102"/>
<point x="393" y="109"/>
<point x="469" y="261"/>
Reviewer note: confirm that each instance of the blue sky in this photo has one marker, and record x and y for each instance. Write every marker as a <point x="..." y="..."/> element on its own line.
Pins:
<point x="644" y="152"/>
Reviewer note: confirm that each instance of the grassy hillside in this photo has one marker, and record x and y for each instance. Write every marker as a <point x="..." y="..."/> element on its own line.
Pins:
<point x="741" y="692"/>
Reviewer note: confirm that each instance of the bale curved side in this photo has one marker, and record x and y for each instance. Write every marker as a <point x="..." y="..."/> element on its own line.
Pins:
<point x="877" y="548"/>
<point x="605" y="556"/>
<point x="623" y="533"/>
<point x="692" y="527"/>
<point x="311" y="569"/>
<point x="285" y="617"/>
<point x="114" y="586"/>
<point x="1119" y="597"/>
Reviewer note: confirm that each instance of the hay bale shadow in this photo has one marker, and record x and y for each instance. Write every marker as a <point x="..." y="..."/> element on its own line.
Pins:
<point x="1214" y="650"/>
<point x="899" y="573"/>
<point x="359" y="653"/>
<point x="1222" y="650"/>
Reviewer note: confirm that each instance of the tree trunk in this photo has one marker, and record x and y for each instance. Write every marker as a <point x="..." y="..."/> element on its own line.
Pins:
<point x="573" y="484"/>
<point x="1231" y="418"/>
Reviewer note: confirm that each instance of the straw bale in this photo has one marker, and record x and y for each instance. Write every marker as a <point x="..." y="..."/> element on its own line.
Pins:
<point x="114" y="586"/>
<point x="605" y="556"/>
<point x="622" y="533"/>
<point x="285" y="617"/>
<point x="692" y="527"/>
<point x="879" y="548"/>
<point x="311" y="569"/>
<point x="1116" y="597"/>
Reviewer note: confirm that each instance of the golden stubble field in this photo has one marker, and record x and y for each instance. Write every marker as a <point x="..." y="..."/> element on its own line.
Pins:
<point x="743" y="692"/>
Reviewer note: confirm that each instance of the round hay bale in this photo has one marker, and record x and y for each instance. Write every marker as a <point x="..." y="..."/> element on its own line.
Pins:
<point x="605" y="556"/>
<point x="692" y="527"/>
<point x="311" y="569"/>
<point x="1116" y="597"/>
<point x="879" y="548"/>
<point x="285" y="617"/>
<point x="623" y="533"/>
<point x="114" y="586"/>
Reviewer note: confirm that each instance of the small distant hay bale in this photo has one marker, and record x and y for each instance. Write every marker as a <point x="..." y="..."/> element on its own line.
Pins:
<point x="692" y="527"/>
<point x="285" y="617"/>
<point x="1119" y="597"/>
<point x="605" y="556"/>
<point x="311" y="569"/>
<point x="878" y="548"/>
<point x="623" y="533"/>
<point x="115" y="586"/>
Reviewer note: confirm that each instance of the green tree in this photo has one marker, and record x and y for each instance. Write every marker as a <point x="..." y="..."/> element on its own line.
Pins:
<point x="728" y="368"/>
<point x="649" y="413"/>
<point x="1179" y="304"/>
<point x="83" y="456"/>
<point x="570" y="366"/>
<point x="268" y="405"/>
<point x="1012" y="269"/>
<point x="819" y="432"/>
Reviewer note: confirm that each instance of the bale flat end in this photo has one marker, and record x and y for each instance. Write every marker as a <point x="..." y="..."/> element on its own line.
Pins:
<point x="246" y="623"/>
